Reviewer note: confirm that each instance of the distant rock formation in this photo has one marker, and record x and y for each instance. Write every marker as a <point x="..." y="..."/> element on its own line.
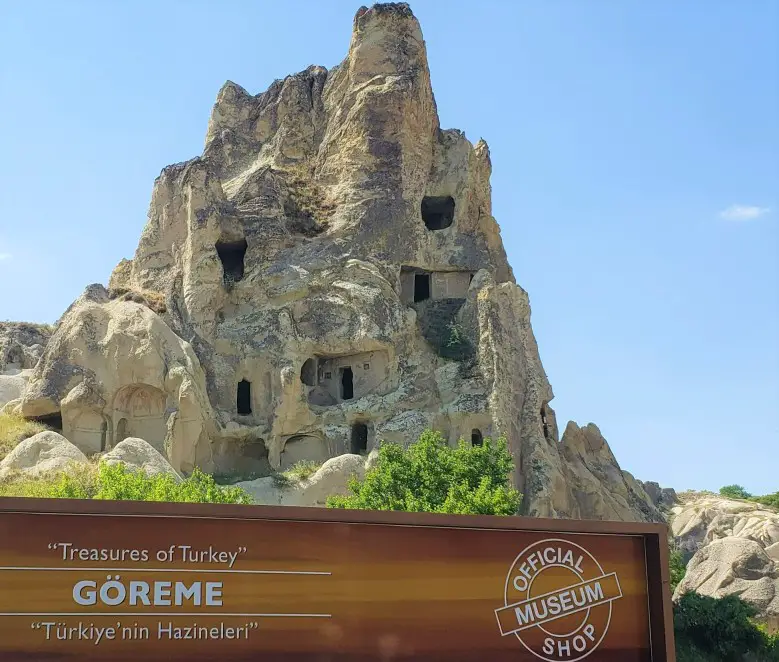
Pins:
<point x="21" y="345"/>
<point x="733" y="548"/>
<point x="326" y="275"/>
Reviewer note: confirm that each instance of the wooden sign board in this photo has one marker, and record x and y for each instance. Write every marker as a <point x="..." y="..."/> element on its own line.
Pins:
<point x="97" y="580"/>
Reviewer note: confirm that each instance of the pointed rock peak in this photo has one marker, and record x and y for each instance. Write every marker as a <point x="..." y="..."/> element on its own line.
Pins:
<point x="385" y="9"/>
<point x="231" y="90"/>
<point x="386" y="39"/>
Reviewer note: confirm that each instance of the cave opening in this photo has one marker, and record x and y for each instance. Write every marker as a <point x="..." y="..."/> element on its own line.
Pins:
<point x="231" y="255"/>
<point x="438" y="211"/>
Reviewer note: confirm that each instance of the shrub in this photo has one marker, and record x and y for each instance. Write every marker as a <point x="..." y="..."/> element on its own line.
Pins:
<point x="677" y="567"/>
<point x="14" y="429"/>
<point x="771" y="500"/>
<point x="721" y="628"/>
<point x="430" y="476"/>
<point x="302" y="470"/>
<point x="117" y="482"/>
<point x="734" y="492"/>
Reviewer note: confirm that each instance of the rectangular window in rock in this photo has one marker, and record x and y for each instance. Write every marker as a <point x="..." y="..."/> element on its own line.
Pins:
<point x="359" y="438"/>
<point x="347" y="383"/>
<point x="244" y="397"/>
<point x="421" y="287"/>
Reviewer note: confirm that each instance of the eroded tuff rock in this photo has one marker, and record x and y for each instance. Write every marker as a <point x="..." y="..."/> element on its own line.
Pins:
<point x="139" y="455"/>
<point x="736" y="566"/>
<point x="703" y="518"/>
<point x="733" y="547"/>
<point x="21" y="345"/>
<point x="43" y="453"/>
<point x="327" y="274"/>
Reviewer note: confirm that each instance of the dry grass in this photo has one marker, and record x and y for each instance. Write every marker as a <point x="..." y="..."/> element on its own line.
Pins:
<point x="14" y="429"/>
<point x="306" y="204"/>
<point x="153" y="300"/>
<point x="302" y="470"/>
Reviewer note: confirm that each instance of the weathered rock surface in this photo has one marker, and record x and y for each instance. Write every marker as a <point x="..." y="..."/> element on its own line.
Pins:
<point x="21" y="345"/>
<point x="733" y="548"/>
<point x="138" y="455"/>
<point x="330" y="479"/>
<point x="737" y="566"/>
<point x="664" y="498"/>
<point x="45" y="452"/>
<point x="593" y="485"/>
<point x="327" y="274"/>
<point x="702" y="519"/>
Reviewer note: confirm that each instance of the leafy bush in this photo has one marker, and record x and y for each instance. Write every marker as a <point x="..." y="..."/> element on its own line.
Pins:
<point x="677" y="567"/>
<point x="718" y="629"/>
<point x="768" y="500"/>
<point x="430" y="476"/>
<point x="117" y="482"/>
<point x="734" y="492"/>
<point x="14" y="429"/>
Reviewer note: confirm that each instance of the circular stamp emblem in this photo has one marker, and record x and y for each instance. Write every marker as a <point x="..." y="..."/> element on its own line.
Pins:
<point x="557" y="601"/>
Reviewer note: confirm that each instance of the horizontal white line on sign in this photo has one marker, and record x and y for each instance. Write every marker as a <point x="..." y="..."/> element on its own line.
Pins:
<point x="140" y="614"/>
<point x="212" y="571"/>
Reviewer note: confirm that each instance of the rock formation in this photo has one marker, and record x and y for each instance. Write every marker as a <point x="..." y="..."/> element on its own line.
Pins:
<point x="733" y="547"/>
<point x="326" y="275"/>
<point x="21" y="345"/>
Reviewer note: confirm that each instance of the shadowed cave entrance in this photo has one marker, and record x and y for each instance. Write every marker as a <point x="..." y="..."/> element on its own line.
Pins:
<point x="476" y="437"/>
<point x="359" y="442"/>
<point x="231" y="254"/>
<point x="438" y="211"/>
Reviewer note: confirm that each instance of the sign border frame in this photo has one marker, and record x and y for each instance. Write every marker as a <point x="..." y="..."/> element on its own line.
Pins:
<point x="655" y="535"/>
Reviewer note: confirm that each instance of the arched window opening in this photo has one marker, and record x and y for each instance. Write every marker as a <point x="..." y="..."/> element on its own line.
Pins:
<point x="231" y="256"/>
<point x="476" y="437"/>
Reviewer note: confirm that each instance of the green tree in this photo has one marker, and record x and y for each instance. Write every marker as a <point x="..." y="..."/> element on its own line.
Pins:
<point x="719" y="629"/>
<point x="734" y="492"/>
<point x="430" y="476"/>
<point x="677" y="567"/>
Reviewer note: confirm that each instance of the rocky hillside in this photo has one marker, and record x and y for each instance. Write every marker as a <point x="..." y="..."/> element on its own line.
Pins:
<point x="732" y="547"/>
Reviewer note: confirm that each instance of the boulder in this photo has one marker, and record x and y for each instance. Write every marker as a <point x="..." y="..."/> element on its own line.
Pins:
<point x="735" y="566"/>
<point x="137" y="454"/>
<point x="43" y="453"/>
<point x="330" y="479"/>
<point x="12" y="386"/>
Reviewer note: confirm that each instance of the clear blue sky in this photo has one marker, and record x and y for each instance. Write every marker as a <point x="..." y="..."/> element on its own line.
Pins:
<point x="620" y="132"/>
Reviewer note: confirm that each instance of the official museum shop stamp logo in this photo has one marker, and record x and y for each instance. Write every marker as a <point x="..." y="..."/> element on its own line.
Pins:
<point x="557" y="601"/>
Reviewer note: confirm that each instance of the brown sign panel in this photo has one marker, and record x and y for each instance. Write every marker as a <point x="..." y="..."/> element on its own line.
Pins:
<point x="91" y="580"/>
